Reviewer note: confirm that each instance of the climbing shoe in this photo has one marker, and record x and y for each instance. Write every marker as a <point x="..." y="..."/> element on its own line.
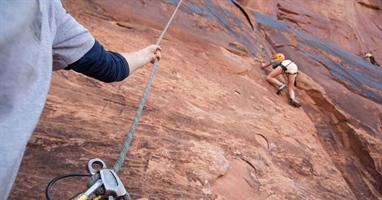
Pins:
<point x="294" y="103"/>
<point x="281" y="88"/>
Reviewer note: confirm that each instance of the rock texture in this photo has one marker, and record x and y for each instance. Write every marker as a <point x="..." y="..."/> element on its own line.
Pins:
<point x="212" y="126"/>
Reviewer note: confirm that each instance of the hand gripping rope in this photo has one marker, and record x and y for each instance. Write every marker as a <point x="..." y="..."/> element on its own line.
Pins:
<point x="105" y="183"/>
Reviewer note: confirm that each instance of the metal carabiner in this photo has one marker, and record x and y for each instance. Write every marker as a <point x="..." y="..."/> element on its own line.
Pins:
<point x="95" y="161"/>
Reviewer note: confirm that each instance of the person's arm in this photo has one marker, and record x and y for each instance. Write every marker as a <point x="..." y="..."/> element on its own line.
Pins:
<point x="75" y="48"/>
<point x="109" y="66"/>
<point x="265" y="66"/>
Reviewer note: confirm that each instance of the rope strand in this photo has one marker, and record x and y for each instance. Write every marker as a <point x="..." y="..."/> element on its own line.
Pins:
<point x="129" y="137"/>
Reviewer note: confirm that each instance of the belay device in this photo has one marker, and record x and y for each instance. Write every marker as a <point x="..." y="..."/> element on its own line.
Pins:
<point x="104" y="183"/>
<point x="107" y="184"/>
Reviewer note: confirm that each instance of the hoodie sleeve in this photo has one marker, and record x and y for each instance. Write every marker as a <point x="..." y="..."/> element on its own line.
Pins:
<point x="71" y="39"/>
<point x="106" y="66"/>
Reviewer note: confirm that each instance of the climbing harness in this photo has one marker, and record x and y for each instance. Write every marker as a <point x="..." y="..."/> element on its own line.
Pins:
<point x="285" y="72"/>
<point x="285" y="67"/>
<point x="105" y="183"/>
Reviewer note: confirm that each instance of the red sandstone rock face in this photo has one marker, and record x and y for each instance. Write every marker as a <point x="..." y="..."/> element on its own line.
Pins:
<point x="212" y="127"/>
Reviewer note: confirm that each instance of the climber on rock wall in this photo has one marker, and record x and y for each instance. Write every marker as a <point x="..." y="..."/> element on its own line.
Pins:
<point x="372" y="59"/>
<point x="289" y="68"/>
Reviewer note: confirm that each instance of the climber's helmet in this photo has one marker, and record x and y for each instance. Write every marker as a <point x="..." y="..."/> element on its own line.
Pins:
<point x="277" y="59"/>
<point x="279" y="56"/>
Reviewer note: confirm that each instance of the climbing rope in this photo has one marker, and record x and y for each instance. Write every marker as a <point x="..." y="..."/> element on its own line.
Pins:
<point x="129" y="137"/>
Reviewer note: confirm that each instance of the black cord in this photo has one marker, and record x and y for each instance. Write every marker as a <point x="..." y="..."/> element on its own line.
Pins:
<point x="47" y="191"/>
